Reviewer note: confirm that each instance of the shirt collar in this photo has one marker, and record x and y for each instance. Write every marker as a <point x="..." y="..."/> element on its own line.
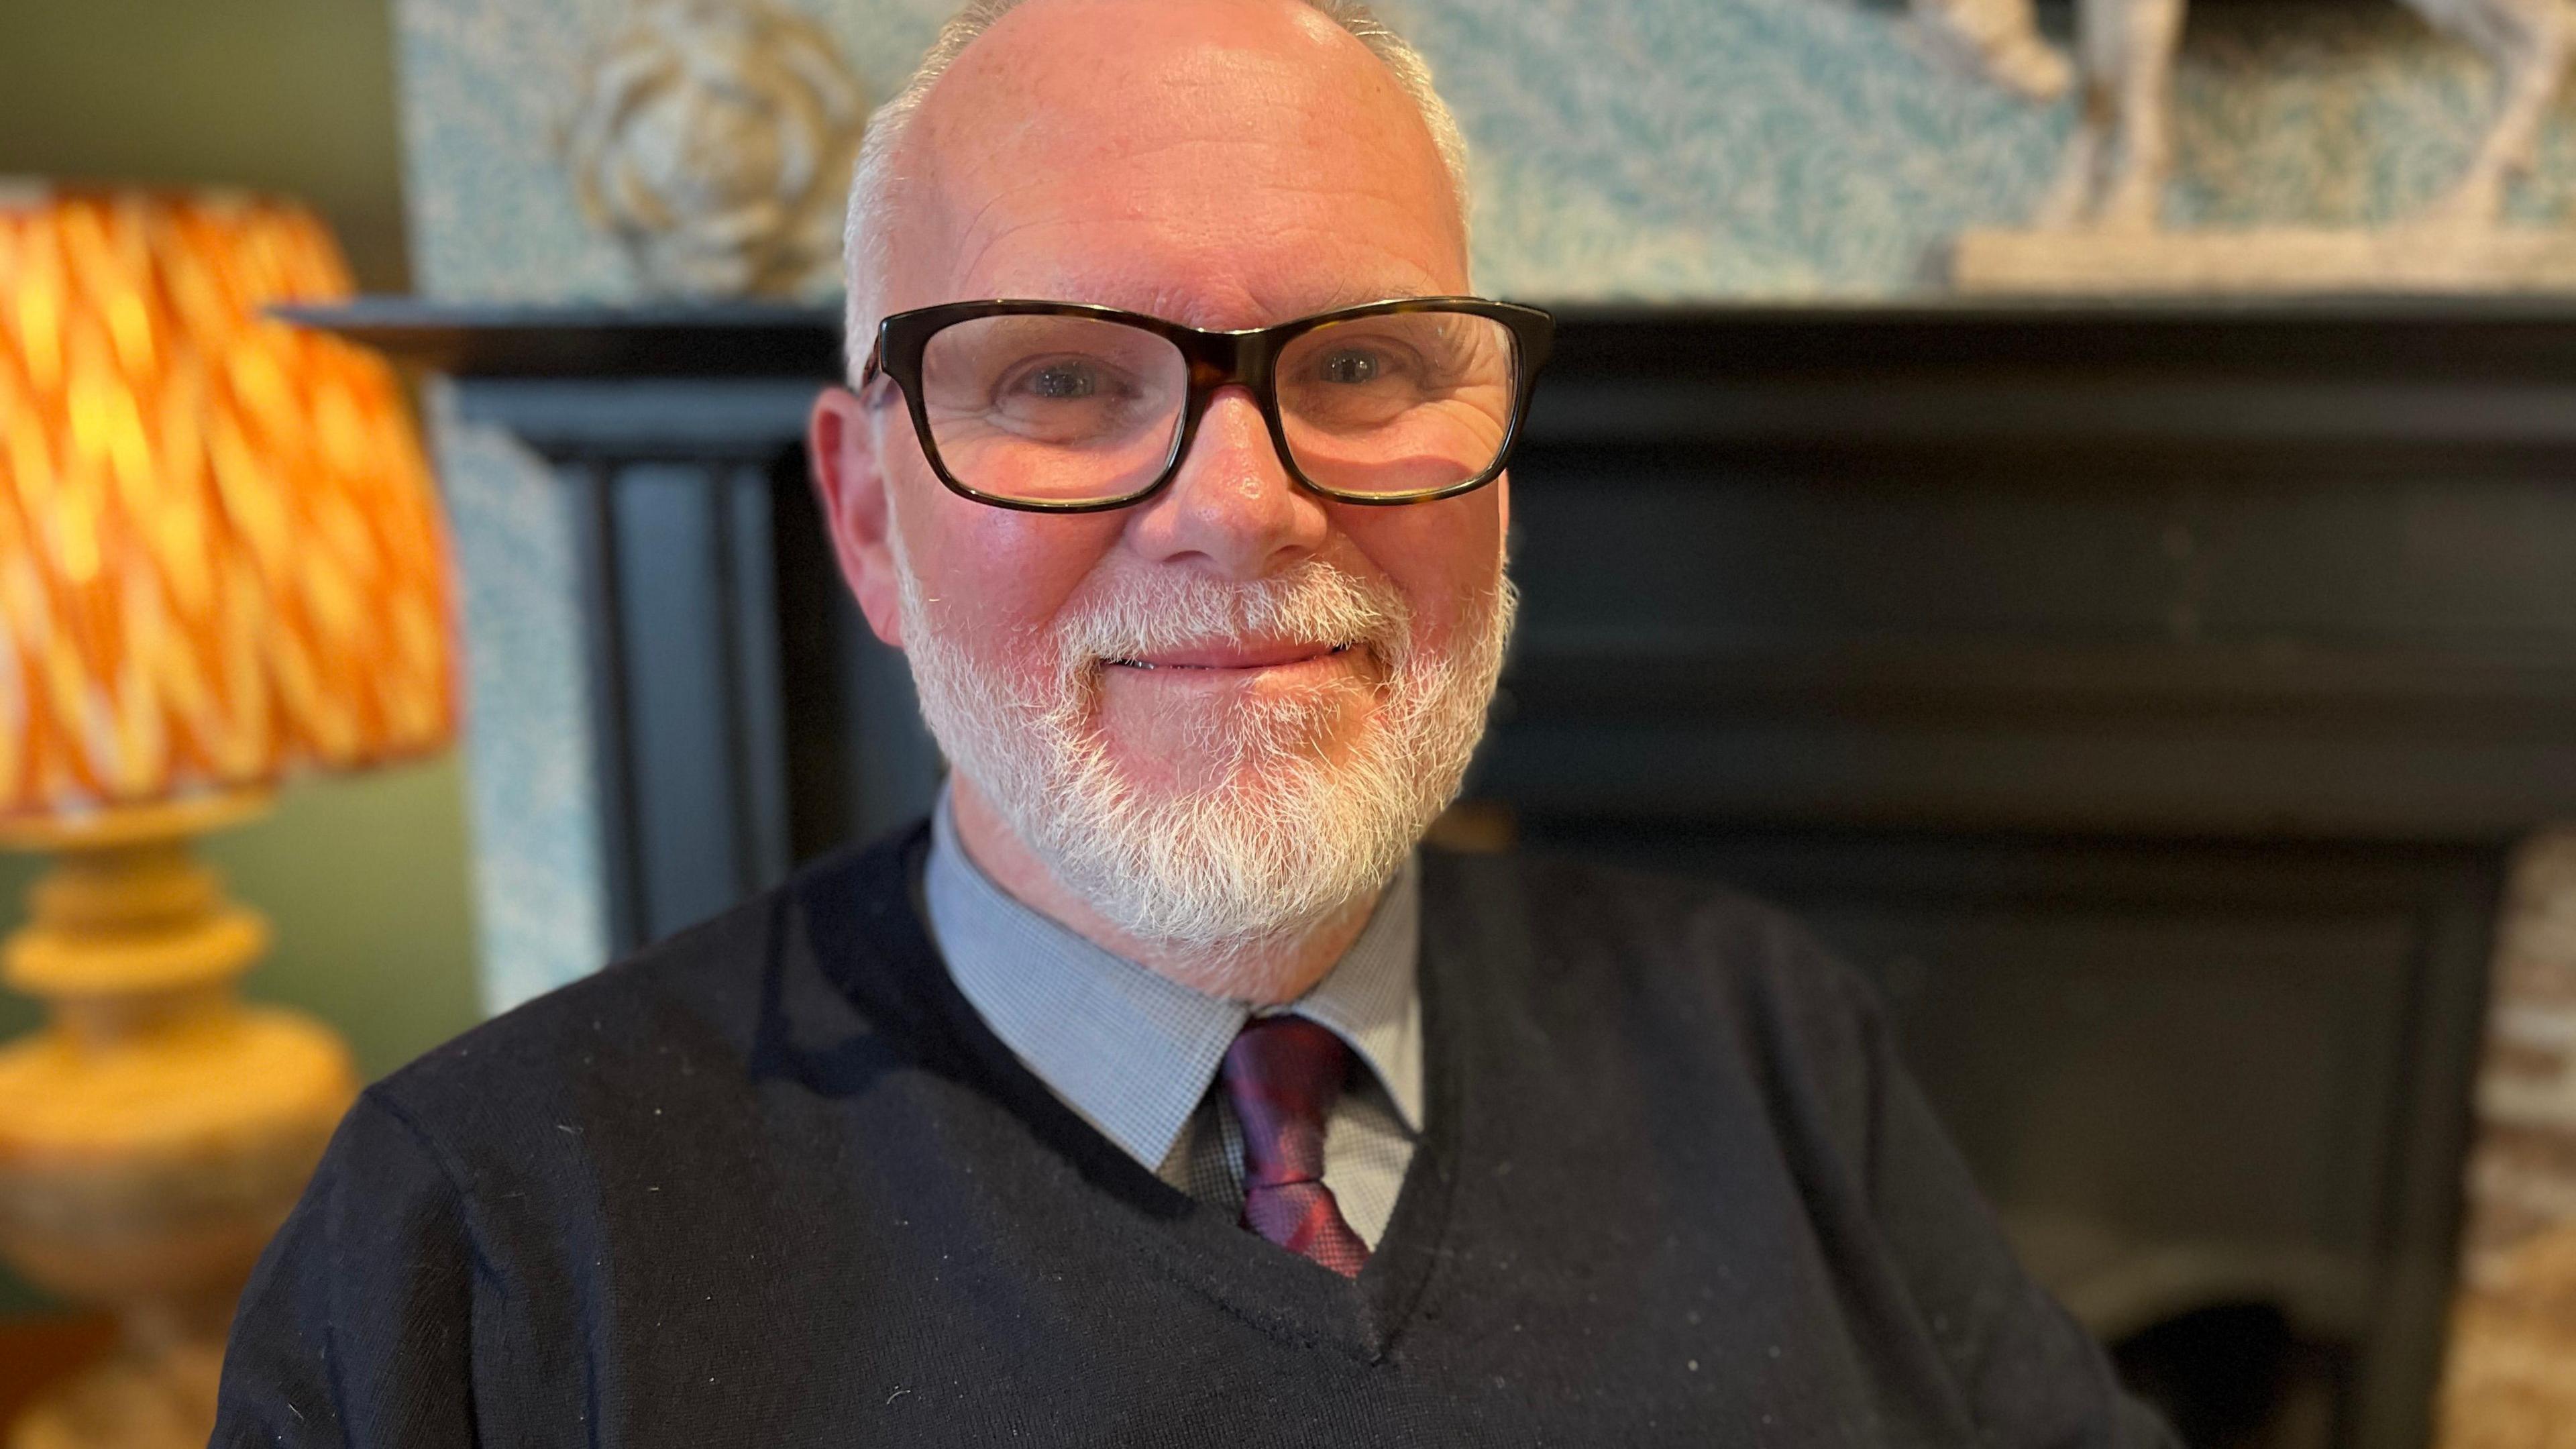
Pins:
<point x="1132" y="1052"/>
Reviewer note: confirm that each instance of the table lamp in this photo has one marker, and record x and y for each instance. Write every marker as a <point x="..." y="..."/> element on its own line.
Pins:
<point x="221" y="563"/>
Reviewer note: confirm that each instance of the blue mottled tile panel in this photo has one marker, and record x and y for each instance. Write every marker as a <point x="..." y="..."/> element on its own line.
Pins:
<point x="534" y="809"/>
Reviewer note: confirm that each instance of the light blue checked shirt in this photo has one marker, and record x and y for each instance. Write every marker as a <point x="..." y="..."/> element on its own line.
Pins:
<point x="1134" y="1054"/>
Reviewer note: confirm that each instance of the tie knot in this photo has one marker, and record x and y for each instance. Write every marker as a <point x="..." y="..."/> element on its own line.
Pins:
<point x="1283" y="1075"/>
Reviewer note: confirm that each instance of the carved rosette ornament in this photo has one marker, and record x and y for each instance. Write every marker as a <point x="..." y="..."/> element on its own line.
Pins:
<point x="713" y="139"/>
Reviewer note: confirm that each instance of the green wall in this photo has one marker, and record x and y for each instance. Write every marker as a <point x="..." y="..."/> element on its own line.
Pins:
<point x="283" y="95"/>
<point x="364" y="877"/>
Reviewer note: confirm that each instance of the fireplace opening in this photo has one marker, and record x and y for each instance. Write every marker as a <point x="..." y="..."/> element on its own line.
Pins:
<point x="2212" y="1087"/>
<point x="2236" y="1376"/>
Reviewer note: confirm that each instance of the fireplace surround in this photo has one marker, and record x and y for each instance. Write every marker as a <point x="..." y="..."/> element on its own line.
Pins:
<point x="2150" y="697"/>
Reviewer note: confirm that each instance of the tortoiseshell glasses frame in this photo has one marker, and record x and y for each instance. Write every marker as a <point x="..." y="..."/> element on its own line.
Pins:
<point x="1215" y="360"/>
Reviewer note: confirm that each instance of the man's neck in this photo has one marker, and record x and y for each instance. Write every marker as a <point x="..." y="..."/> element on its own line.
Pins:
<point x="1268" y="974"/>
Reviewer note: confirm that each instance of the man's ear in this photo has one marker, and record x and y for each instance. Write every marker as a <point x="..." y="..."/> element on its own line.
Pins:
<point x="841" y="441"/>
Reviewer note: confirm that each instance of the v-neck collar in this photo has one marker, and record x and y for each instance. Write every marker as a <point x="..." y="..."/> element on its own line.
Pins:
<point x="1133" y="1052"/>
<point x="867" y="928"/>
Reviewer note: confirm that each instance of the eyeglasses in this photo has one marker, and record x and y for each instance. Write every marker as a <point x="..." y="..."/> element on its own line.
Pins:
<point x="1059" y="407"/>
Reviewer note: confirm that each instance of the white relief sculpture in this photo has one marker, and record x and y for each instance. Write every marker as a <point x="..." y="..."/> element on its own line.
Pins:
<point x="2111" y="183"/>
<point x="713" y="139"/>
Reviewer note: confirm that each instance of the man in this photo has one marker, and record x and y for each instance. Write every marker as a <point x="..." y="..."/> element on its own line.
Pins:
<point x="1158" y="1091"/>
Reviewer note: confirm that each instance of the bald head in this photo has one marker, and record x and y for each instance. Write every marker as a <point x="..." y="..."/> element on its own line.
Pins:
<point x="1159" y="142"/>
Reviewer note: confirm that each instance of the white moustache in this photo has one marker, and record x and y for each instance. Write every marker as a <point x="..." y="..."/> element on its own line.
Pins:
<point x="1164" y="613"/>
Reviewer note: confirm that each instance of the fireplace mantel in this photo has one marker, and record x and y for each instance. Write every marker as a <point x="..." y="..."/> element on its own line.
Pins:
<point x="2149" y="695"/>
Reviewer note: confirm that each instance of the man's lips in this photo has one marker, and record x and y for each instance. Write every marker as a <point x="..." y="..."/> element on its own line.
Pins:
<point x="1231" y="656"/>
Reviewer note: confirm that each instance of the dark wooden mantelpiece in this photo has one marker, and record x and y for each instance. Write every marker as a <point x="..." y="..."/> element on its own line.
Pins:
<point x="2147" y="694"/>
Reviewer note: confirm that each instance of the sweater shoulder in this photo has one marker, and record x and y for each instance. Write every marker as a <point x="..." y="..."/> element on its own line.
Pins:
<point x="689" y="1006"/>
<point x="1640" y="925"/>
<point x="1609" y="943"/>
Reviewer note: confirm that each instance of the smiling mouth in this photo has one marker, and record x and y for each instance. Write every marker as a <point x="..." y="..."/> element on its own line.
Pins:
<point x="1252" y="660"/>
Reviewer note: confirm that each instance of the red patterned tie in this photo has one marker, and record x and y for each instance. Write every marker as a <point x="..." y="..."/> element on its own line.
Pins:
<point x="1283" y="1074"/>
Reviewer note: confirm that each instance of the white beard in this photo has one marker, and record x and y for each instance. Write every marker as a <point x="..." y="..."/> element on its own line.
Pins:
<point x="1272" y="838"/>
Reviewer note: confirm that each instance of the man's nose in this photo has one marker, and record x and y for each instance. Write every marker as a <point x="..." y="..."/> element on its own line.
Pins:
<point x="1232" y="505"/>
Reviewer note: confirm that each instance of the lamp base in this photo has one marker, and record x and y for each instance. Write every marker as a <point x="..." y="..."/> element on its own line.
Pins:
<point x="157" y="1131"/>
<point x="138" y="1400"/>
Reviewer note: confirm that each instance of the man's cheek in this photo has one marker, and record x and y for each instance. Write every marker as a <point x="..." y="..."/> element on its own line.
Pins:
<point x="1030" y="566"/>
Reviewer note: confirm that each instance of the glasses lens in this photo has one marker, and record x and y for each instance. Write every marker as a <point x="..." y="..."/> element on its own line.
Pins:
<point x="1037" y="409"/>
<point x="1389" y="406"/>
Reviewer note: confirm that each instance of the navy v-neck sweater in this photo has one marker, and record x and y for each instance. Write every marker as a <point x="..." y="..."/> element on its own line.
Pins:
<point x="772" y="1183"/>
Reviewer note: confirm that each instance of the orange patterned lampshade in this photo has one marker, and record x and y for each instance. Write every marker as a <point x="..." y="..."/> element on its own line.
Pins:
<point x="221" y="558"/>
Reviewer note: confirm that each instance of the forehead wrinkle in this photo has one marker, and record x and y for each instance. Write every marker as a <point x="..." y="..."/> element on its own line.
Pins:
<point x="1226" y="287"/>
<point x="1359" y="218"/>
<point x="1046" y="199"/>
<point x="998" y="195"/>
<point x="1148" y="161"/>
<point x="1374" y="232"/>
